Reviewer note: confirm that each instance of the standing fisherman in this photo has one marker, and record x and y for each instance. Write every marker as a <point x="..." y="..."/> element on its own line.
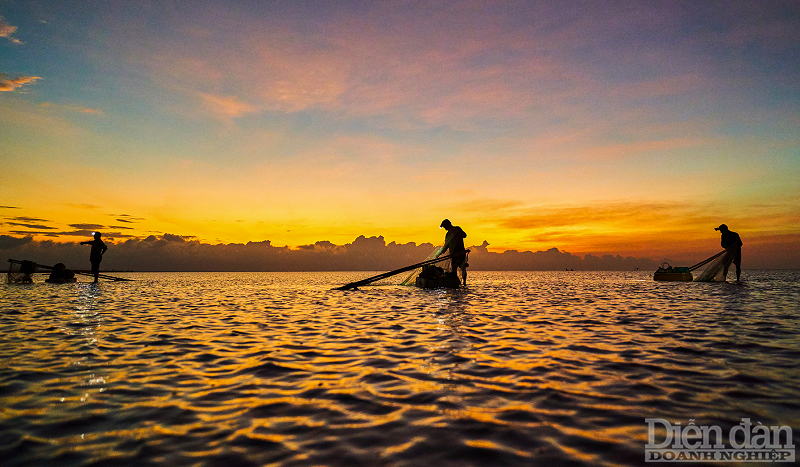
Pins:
<point x="730" y="241"/>
<point x="454" y="241"/>
<point x="98" y="248"/>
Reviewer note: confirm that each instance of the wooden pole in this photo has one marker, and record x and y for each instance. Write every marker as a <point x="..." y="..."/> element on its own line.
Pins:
<point x="104" y="276"/>
<point x="368" y="280"/>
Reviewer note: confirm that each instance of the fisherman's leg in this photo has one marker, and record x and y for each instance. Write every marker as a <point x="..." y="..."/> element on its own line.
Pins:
<point x="458" y="262"/>
<point x="464" y="274"/>
<point x="455" y="263"/>
<point x="96" y="270"/>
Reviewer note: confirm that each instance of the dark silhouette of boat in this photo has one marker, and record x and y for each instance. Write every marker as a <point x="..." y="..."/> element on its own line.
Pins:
<point x="435" y="276"/>
<point x="669" y="273"/>
<point x="682" y="274"/>
<point x="20" y="272"/>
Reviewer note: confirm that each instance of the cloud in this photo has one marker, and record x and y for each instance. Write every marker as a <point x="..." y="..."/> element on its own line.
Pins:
<point x="227" y="106"/>
<point x="70" y="108"/>
<point x="351" y="63"/>
<point x="182" y="253"/>
<point x="128" y="219"/>
<point x="682" y="230"/>
<point x="8" y="242"/>
<point x="90" y="233"/>
<point x="524" y="68"/>
<point x="10" y="207"/>
<point x="660" y="87"/>
<point x="9" y="84"/>
<point x="27" y="219"/>
<point x="90" y="207"/>
<point x="6" y="30"/>
<point x="31" y="226"/>
<point x="88" y="226"/>
<point x="172" y="252"/>
<point x="176" y="238"/>
<point x="616" y="212"/>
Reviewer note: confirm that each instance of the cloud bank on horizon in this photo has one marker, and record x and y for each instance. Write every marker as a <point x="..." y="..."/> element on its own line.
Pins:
<point x="175" y="253"/>
<point x="169" y="252"/>
<point x="630" y="128"/>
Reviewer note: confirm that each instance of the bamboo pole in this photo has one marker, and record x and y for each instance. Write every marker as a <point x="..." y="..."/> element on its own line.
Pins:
<point x="368" y="280"/>
<point x="104" y="276"/>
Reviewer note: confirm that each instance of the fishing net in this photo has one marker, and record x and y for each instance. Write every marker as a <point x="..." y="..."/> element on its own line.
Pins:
<point x="717" y="270"/>
<point x="445" y="264"/>
<point x="412" y="277"/>
<point x="15" y="277"/>
<point x="19" y="272"/>
<point x="434" y="272"/>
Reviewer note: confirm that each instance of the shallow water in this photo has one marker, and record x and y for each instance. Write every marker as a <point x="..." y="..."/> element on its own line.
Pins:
<point x="525" y="368"/>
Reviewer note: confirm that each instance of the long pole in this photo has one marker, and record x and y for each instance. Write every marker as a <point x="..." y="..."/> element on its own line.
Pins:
<point x="368" y="280"/>
<point x="104" y="276"/>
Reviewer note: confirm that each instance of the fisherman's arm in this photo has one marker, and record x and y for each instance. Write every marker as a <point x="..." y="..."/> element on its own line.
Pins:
<point x="446" y="246"/>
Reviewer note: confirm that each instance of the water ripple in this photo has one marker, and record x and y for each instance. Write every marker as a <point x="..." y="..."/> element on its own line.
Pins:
<point x="278" y="369"/>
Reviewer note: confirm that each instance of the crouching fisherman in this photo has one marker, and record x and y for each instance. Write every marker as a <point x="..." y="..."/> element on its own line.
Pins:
<point x="61" y="275"/>
<point x="26" y="268"/>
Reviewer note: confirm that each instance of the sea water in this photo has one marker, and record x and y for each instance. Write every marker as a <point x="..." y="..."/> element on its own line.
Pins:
<point x="519" y="368"/>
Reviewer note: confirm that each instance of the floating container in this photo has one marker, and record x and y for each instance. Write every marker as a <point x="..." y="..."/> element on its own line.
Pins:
<point x="669" y="273"/>
<point x="434" y="277"/>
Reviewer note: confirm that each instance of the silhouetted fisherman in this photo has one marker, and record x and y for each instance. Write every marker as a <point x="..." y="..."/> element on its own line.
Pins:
<point x="26" y="268"/>
<point x="98" y="248"/>
<point x="61" y="274"/>
<point x="454" y="241"/>
<point x="731" y="240"/>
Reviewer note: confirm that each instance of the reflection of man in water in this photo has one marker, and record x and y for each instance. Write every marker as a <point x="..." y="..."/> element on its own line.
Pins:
<point x="98" y="248"/>
<point x="731" y="240"/>
<point x="454" y="241"/>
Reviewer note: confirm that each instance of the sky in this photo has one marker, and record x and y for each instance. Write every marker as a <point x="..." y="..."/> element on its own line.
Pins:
<point x="615" y="127"/>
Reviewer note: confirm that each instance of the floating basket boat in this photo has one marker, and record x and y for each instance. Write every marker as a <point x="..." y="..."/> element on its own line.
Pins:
<point x="684" y="274"/>
<point x="424" y="275"/>
<point x="434" y="277"/>
<point x="669" y="273"/>
<point x="20" y="272"/>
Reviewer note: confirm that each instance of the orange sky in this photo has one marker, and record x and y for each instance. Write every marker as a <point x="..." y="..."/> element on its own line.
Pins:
<point x="630" y="129"/>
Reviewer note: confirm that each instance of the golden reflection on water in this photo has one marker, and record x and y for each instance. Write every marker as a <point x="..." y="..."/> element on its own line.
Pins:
<point x="277" y="368"/>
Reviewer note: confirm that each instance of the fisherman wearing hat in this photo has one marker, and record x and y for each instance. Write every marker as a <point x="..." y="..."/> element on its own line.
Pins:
<point x="731" y="240"/>
<point x="96" y="256"/>
<point x="454" y="241"/>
